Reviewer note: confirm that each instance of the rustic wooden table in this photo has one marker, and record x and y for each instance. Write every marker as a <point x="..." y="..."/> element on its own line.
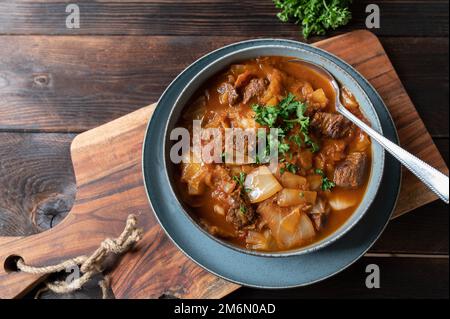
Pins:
<point x="56" y="82"/>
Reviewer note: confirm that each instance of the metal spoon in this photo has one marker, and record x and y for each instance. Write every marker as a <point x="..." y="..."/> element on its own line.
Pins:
<point x="430" y="176"/>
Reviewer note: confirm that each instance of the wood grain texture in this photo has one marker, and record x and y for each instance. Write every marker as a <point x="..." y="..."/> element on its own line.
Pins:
<point x="108" y="172"/>
<point x="199" y="17"/>
<point x="395" y="275"/>
<point x="425" y="76"/>
<point x="422" y="232"/>
<point x="37" y="184"/>
<point x="71" y="84"/>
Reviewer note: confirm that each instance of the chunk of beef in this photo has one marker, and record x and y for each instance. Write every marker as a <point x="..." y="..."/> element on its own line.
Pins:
<point x="241" y="213"/>
<point x="319" y="213"/>
<point x="243" y="79"/>
<point x="330" y="125"/>
<point x="254" y="88"/>
<point x="228" y="93"/>
<point x="350" y="173"/>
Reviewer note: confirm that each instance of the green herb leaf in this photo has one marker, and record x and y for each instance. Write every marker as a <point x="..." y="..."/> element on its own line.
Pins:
<point x="315" y="16"/>
<point x="326" y="183"/>
<point x="283" y="148"/>
<point x="265" y="115"/>
<point x="240" y="179"/>
<point x="289" y="167"/>
<point x="284" y="116"/>
<point x="292" y="168"/>
<point x="303" y="121"/>
<point x="296" y="139"/>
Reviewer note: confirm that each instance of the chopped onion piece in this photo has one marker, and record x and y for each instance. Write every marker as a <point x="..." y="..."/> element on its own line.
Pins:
<point x="261" y="184"/>
<point x="219" y="210"/>
<point x="318" y="96"/>
<point x="295" y="229"/>
<point x="289" y="227"/>
<point x="259" y="240"/>
<point x="306" y="228"/>
<point x="291" y="197"/>
<point x="340" y="203"/>
<point x="315" y="182"/>
<point x="194" y="173"/>
<point x="290" y="180"/>
<point x="229" y="187"/>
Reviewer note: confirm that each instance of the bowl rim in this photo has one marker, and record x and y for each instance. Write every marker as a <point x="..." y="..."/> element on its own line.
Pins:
<point x="374" y="180"/>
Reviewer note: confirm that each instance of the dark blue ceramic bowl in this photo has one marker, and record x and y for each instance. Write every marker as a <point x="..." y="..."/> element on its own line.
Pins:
<point x="292" y="268"/>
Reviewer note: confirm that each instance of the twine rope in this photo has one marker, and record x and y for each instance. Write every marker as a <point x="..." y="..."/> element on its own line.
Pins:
<point x="89" y="265"/>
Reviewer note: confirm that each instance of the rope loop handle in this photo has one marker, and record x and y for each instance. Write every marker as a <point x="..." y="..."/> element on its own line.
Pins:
<point x="89" y="265"/>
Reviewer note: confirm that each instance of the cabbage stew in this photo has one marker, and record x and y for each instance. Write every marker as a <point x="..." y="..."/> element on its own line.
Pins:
<point x="323" y="160"/>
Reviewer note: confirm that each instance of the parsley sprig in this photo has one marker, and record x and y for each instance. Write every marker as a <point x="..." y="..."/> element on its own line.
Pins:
<point x="240" y="180"/>
<point x="289" y="167"/>
<point x="284" y="116"/>
<point x="303" y="121"/>
<point x="326" y="183"/>
<point x="315" y="16"/>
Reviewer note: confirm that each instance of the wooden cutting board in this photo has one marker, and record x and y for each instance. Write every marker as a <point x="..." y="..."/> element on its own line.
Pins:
<point x="107" y="163"/>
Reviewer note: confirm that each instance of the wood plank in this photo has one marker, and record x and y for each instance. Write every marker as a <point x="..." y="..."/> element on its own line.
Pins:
<point x="399" y="277"/>
<point x="422" y="65"/>
<point x="194" y="17"/>
<point x="37" y="183"/>
<point x="427" y="225"/>
<point x="71" y="84"/>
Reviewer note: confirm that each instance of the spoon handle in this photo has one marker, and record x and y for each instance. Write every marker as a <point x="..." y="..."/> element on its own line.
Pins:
<point x="430" y="176"/>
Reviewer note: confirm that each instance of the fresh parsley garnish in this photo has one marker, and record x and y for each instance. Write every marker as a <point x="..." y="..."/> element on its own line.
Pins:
<point x="240" y="179"/>
<point x="283" y="148"/>
<point x="265" y="115"/>
<point x="314" y="146"/>
<point x="283" y="117"/>
<point x="315" y="16"/>
<point x="290" y="168"/>
<point x="296" y="139"/>
<point x="303" y="121"/>
<point x="326" y="183"/>
<point x="273" y="116"/>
